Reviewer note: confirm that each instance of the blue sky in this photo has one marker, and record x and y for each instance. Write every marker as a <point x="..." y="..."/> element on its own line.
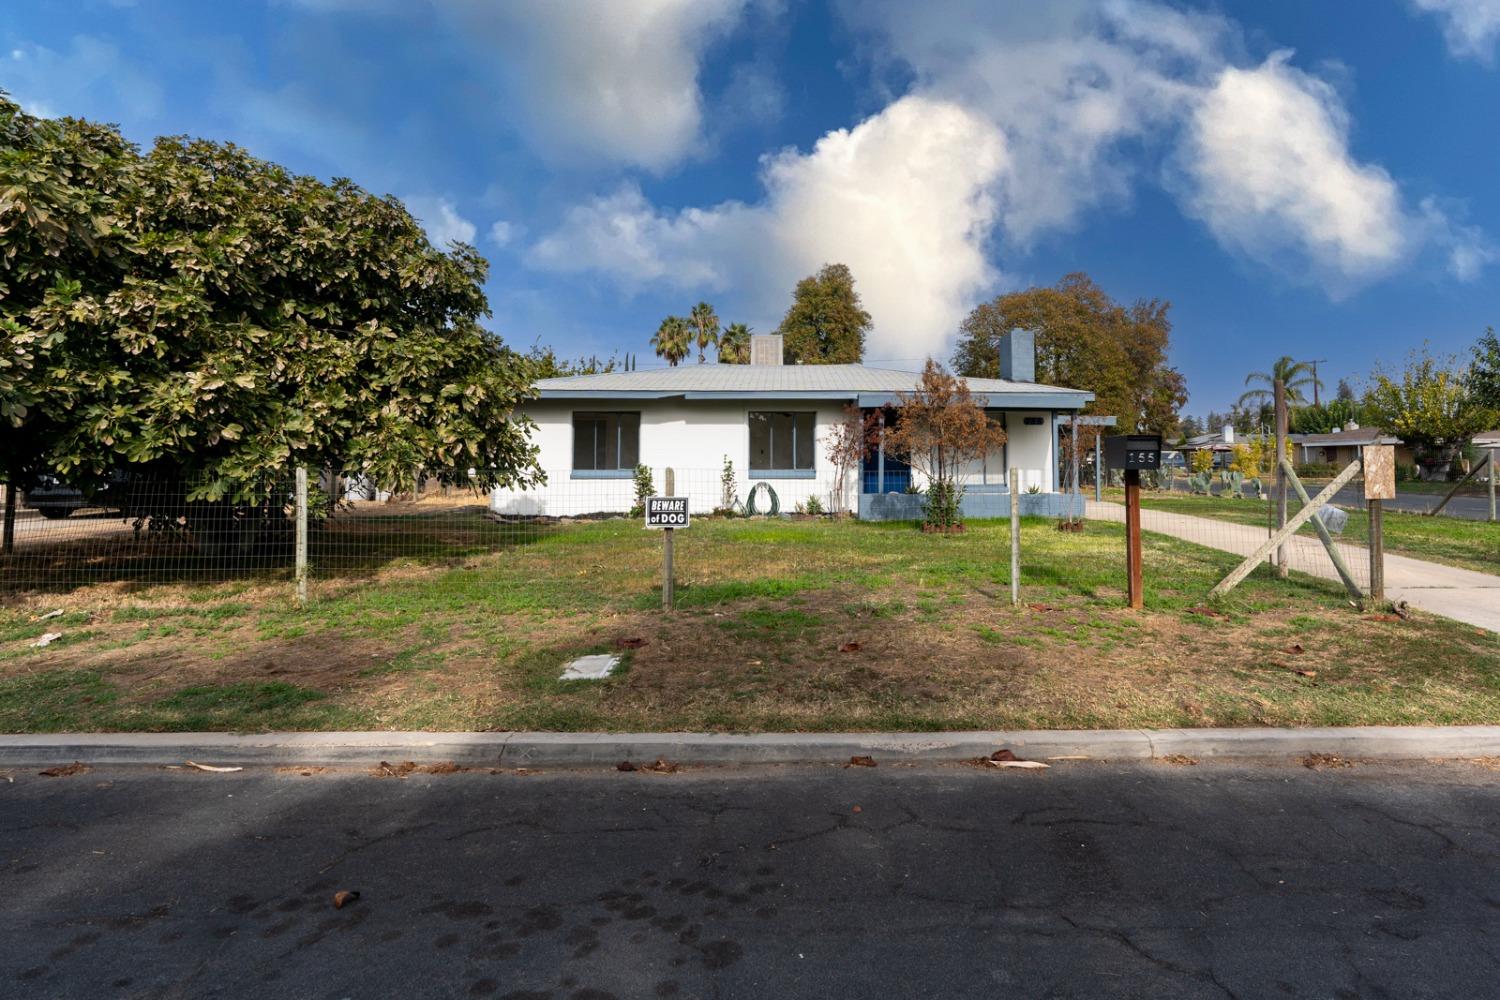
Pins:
<point x="1314" y="179"/>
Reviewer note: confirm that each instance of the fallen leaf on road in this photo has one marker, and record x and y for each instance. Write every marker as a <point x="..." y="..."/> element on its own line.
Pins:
<point x="849" y="647"/>
<point x="343" y="898"/>
<point x="858" y="761"/>
<point x="47" y="639"/>
<point x="661" y="766"/>
<point x="66" y="770"/>
<point x="1003" y="754"/>
<point x="1180" y="759"/>
<point x="214" y="769"/>
<point x="446" y="767"/>
<point x="387" y="770"/>
<point x="624" y="765"/>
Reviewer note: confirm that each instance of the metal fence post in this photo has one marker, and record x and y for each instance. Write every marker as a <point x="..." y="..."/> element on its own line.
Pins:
<point x="301" y="567"/>
<point x="1015" y="536"/>
<point x="11" y="500"/>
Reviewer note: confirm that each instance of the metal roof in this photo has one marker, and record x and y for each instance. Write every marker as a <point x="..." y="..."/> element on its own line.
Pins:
<point x="871" y="386"/>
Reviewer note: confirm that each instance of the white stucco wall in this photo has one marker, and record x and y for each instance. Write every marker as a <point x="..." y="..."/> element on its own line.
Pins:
<point x="693" y="438"/>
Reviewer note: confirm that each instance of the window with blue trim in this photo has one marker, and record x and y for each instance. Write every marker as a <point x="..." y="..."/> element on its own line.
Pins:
<point x="781" y="443"/>
<point x="606" y="442"/>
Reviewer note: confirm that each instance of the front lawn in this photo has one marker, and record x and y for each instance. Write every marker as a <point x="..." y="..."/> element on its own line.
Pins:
<point x="782" y="625"/>
<point x="1454" y="541"/>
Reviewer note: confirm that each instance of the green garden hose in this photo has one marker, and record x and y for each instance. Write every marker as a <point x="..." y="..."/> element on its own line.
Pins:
<point x="750" y="508"/>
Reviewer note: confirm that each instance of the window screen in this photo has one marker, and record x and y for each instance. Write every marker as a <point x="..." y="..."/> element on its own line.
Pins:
<point x="781" y="442"/>
<point x="606" y="441"/>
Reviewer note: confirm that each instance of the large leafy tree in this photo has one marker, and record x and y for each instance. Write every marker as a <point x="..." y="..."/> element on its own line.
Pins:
<point x="1085" y="340"/>
<point x="1429" y="405"/>
<point x="734" y="345"/>
<point x="705" y="324"/>
<point x="1295" y="375"/>
<point x="825" y="325"/>
<point x="673" y="340"/>
<point x="1484" y="376"/>
<point x="196" y="312"/>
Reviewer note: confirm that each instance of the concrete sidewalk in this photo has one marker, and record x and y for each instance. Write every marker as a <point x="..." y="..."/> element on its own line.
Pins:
<point x="607" y="749"/>
<point x="1461" y="594"/>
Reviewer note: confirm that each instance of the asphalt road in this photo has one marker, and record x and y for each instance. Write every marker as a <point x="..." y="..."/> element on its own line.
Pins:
<point x="1089" y="880"/>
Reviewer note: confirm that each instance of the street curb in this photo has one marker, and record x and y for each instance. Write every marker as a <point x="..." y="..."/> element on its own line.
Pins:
<point x="536" y="750"/>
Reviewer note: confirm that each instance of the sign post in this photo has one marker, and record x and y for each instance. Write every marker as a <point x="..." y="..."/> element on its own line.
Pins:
<point x="1132" y="453"/>
<point x="1380" y="484"/>
<point x="667" y="514"/>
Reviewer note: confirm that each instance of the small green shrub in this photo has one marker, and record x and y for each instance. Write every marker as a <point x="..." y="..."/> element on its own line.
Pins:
<point x="644" y="487"/>
<point x="943" y="499"/>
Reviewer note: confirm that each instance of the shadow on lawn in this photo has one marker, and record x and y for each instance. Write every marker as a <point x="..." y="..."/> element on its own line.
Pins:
<point x="93" y="550"/>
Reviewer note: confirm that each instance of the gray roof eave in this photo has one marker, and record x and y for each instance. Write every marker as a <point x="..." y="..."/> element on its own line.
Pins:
<point x="1032" y="399"/>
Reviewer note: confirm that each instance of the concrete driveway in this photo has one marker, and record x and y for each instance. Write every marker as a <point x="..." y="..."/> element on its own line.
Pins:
<point x="1088" y="880"/>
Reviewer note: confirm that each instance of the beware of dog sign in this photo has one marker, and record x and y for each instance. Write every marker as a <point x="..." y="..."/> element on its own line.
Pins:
<point x="666" y="512"/>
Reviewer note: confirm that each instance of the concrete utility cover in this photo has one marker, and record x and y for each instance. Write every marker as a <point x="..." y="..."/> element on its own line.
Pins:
<point x="591" y="668"/>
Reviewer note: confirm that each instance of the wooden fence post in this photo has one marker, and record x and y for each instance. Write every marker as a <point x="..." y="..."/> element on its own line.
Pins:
<point x="1494" y="472"/>
<point x="1133" y="539"/>
<point x="1377" y="552"/>
<point x="11" y="499"/>
<point x="668" y="582"/>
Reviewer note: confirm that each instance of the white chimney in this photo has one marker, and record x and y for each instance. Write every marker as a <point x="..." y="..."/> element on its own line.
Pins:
<point x="1229" y="434"/>
<point x="765" y="349"/>
<point x="1352" y="425"/>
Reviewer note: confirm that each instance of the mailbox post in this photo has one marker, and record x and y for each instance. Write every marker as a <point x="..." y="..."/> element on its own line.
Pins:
<point x="1132" y="453"/>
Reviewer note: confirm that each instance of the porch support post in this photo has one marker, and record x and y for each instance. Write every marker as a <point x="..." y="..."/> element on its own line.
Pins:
<point x="1052" y="476"/>
<point x="1098" y="468"/>
<point x="880" y="455"/>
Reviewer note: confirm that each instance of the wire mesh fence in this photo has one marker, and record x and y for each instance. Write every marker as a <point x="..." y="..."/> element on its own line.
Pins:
<point x="163" y="530"/>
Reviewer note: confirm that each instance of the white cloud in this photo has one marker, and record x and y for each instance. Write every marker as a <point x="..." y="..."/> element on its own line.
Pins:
<point x="903" y="199"/>
<point x="502" y="233"/>
<point x="1266" y="154"/>
<point x="48" y="83"/>
<point x="1018" y="121"/>
<point x="1470" y="26"/>
<point x="439" y="216"/>
<point x="600" y="78"/>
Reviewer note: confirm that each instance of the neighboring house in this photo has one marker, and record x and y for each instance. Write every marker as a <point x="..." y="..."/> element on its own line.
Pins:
<point x="1342" y="447"/>
<point x="772" y="422"/>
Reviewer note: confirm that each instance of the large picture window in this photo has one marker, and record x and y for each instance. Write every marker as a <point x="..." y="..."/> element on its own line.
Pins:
<point x="606" y="443"/>
<point x="781" y="444"/>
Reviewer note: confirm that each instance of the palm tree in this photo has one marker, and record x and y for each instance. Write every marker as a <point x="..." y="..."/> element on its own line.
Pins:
<point x="1295" y="375"/>
<point x="734" y="345"/>
<point x="705" y="325"/>
<point x="673" y="340"/>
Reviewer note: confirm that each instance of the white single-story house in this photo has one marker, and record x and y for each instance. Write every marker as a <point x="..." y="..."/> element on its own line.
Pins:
<point x="771" y="421"/>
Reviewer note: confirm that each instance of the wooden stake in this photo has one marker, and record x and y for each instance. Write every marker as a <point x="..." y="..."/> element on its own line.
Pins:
<point x="1324" y="536"/>
<point x="1377" y="553"/>
<point x="11" y="500"/>
<point x="668" y="583"/>
<point x="1281" y="556"/>
<point x="1279" y="536"/>
<point x="1133" y="538"/>
<point x="1015" y="536"/>
<point x="1098" y="468"/>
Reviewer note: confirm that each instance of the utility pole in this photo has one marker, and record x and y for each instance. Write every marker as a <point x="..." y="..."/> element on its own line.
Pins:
<point x="1315" y="363"/>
